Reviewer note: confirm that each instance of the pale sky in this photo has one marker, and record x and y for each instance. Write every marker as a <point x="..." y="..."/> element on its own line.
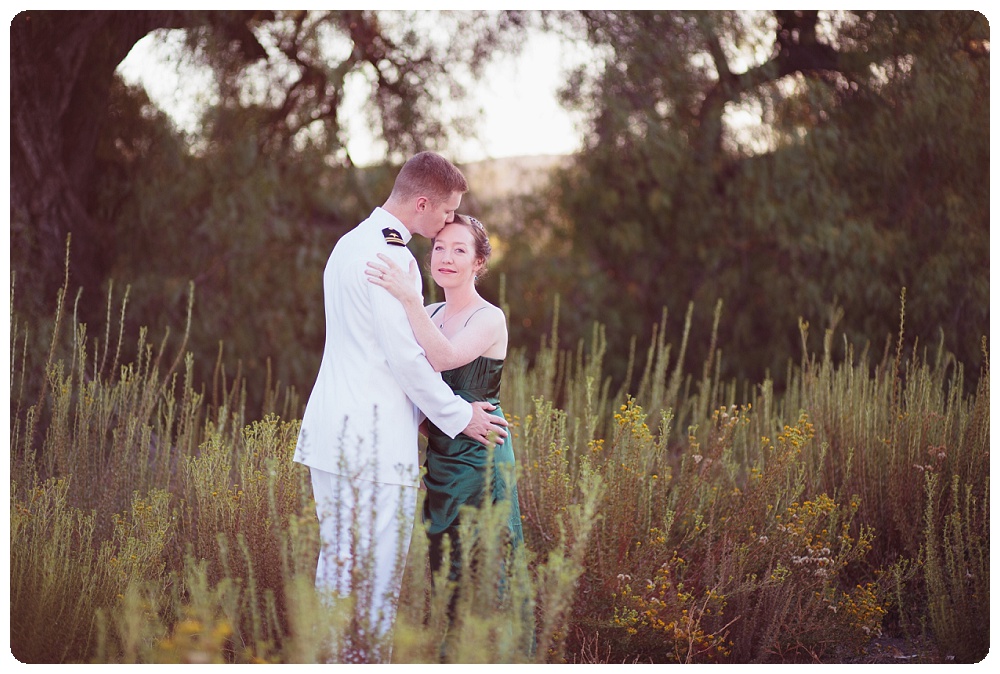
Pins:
<point x="517" y="94"/>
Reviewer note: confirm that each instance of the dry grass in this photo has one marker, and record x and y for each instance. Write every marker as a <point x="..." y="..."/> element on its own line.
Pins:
<point x="672" y="523"/>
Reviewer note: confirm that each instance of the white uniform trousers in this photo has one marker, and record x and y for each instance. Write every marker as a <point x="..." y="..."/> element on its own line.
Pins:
<point x="365" y="531"/>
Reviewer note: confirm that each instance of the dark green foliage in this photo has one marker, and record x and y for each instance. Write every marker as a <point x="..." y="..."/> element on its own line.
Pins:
<point x="247" y="208"/>
<point x="873" y="175"/>
<point x="250" y="229"/>
<point x="869" y="174"/>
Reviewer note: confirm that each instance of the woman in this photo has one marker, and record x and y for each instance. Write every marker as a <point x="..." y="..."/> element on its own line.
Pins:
<point x="465" y="339"/>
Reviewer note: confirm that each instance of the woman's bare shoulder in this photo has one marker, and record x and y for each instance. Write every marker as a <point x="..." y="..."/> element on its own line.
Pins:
<point x="492" y="314"/>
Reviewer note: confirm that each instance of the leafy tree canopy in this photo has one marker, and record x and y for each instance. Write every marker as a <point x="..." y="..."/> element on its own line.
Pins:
<point x="868" y="172"/>
<point x="864" y="169"/>
<point x="249" y="206"/>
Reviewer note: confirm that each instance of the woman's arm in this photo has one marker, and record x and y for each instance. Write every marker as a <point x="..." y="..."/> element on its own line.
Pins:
<point x="443" y="354"/>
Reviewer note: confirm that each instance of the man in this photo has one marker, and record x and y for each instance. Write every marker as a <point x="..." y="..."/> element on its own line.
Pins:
<point x="359" y="430"/>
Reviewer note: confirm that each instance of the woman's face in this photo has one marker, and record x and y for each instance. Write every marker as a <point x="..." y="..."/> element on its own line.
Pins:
<point x="453" y="257"/>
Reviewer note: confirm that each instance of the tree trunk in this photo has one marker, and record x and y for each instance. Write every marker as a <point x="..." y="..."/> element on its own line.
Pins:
<point x="62" y="66"/>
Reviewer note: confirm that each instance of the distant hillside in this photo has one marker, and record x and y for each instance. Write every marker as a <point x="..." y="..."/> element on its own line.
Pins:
<point x="493" y="179"/>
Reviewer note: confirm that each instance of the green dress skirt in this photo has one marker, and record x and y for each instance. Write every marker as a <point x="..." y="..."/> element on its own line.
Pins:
<point x="456" y="468"/>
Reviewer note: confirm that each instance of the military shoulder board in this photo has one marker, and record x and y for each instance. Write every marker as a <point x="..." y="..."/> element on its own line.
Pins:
<point x="392" y="237"/>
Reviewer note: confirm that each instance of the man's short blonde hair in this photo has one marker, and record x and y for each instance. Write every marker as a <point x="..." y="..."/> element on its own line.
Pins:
<point x="430" y="175"/>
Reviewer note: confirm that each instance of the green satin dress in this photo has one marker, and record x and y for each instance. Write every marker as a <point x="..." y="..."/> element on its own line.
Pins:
<point x="456" y="468"/>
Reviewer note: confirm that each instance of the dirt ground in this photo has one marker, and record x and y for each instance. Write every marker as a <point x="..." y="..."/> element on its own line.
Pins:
<point x="892" y="650"/>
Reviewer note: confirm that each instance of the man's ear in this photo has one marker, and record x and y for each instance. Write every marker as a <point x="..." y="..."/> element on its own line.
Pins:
<point x="422" y="203"/>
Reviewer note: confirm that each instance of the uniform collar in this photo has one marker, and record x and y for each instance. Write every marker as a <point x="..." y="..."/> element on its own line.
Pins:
<point x="384" y="218"/>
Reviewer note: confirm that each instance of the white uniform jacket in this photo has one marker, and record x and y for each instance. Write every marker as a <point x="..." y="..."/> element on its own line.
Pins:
<point x="374" y="380"/>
